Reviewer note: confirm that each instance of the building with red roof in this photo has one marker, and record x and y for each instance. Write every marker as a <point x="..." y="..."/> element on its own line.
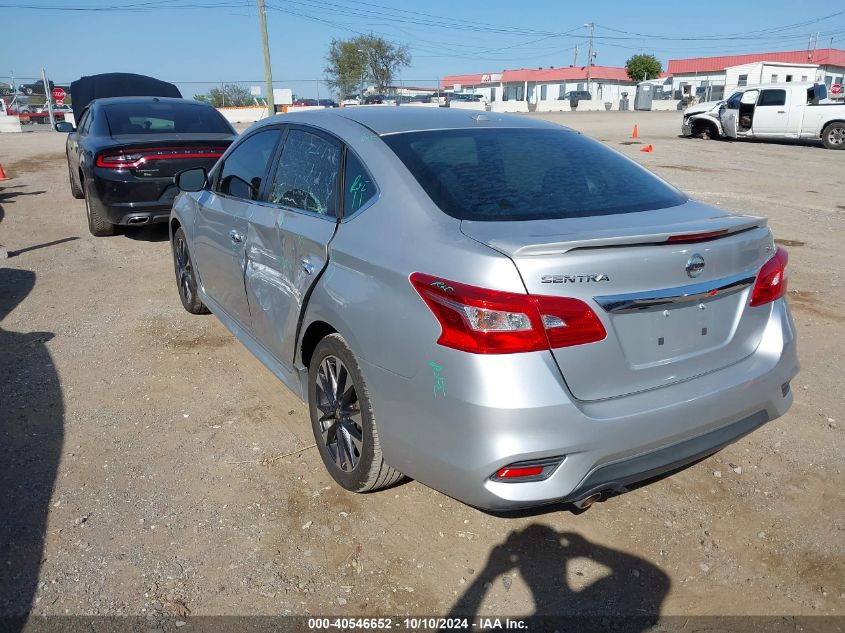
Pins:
<point x="606" y="83"/>
<point x="712" y="77"/>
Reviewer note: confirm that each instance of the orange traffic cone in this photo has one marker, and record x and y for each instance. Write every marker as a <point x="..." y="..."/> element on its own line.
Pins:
<point x="636" y="132"/>
<point x="647" y="148"/>
<point x="3" y="175"/>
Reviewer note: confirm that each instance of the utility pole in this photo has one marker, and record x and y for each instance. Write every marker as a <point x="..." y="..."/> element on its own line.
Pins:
<point x="268" y="72"/>
<point x="575" y="56"/>
<point x="592" y="26"/>
<point x="363" y="70"/>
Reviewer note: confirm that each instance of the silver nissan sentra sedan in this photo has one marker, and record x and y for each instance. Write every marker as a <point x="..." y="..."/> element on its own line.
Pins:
<point x="497" y="306"/>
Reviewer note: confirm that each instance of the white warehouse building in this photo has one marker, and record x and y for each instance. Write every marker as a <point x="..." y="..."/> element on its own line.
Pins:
<point x="711" y="78"/>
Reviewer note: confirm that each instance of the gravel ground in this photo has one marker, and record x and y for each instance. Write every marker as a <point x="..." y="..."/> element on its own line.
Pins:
<point x="147" y="465"/>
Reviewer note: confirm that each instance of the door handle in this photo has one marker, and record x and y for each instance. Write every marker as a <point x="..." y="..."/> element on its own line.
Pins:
<point x="781" y="111"/>
<point x="307" y="266"/>
<point x="237" y="238"/>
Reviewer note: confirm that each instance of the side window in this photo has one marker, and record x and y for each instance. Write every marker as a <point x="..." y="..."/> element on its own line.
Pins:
<point x="772" y="98"/>
<point x="245" y="166"/>
<point x="306" y="177"/>
<point x="733" y="101"/>
<point x="84" y="123"/>
<point x="358" y="188"/>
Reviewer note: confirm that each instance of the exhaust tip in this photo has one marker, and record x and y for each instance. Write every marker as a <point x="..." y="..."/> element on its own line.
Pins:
<point x="141" y="219"/>
<point x="586" y="502"/>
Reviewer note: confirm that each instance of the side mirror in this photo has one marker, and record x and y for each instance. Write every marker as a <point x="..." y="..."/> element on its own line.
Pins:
<point x="65" y="127"/>
<point x="191" y="179"/>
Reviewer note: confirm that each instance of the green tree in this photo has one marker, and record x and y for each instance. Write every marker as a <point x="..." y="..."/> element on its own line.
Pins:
<point x="369" y="56"/>
<point x="230" y="95"/>
<point x="642" y="67"/>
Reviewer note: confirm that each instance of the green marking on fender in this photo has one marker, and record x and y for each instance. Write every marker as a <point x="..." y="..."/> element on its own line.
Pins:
<point x="439" y="381"/>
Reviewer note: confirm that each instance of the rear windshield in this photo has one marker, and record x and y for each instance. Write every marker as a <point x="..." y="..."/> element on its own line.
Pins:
<point x="524" y="174"/>
<point x="158" y="118"/>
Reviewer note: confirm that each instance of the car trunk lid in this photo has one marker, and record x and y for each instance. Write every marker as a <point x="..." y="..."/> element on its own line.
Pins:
<point x="667" y="318"/>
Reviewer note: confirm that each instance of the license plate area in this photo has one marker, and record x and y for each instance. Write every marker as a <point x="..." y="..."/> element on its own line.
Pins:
<point x="678" y="332"/>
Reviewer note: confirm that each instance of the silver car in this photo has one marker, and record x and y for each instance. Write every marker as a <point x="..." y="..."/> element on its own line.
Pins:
<point x="497" y="306"/>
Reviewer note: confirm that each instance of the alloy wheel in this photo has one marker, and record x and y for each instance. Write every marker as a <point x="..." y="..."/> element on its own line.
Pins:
<point x="836" y="136"/>
<point x="184" y="271"/>
<point x="340" y="421"/>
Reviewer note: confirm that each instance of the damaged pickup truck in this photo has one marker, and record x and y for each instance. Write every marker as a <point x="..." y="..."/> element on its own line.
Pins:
<point x="771" y="111"/>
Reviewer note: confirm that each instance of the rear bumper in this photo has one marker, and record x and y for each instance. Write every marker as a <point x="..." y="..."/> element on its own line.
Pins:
<point x="129" y="200"/>
<point x="503" y="409"/>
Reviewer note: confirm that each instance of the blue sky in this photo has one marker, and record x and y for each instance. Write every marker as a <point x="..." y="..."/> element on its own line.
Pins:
<point x="218" y="40"/>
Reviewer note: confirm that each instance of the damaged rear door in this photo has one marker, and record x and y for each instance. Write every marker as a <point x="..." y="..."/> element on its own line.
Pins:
<point x="289" y="233"/>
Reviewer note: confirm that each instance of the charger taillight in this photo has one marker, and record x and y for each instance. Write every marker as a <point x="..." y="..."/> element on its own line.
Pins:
<point x="133" y="158"/>
<point x="484" y="321"/>
<point x="771" y="280"/>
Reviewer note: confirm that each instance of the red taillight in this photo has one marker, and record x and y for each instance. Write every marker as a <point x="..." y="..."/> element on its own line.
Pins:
<point x="133" y="158"/>
<point x="513" y="473"/>
<point x="532" y="470"/>
<point x="771" y="280"/>
<point x="692" y="237"/>
<point x="484" y="321"/>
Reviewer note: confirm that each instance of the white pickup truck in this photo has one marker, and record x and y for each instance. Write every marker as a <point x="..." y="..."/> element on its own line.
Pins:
<point x="788" y="110"/>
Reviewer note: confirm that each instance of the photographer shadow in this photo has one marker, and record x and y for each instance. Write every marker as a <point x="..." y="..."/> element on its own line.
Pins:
<point x="634" y="588"/>
<point x="31" y="437"/>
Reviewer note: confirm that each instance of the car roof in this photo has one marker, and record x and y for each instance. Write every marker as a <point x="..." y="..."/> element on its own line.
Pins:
<point x="120" y="100"/>
<point x="397" y="119"/>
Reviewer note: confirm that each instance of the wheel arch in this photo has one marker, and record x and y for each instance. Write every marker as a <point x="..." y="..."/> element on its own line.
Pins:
<point x="827" y="123"/>
<point x="313" y="334"/>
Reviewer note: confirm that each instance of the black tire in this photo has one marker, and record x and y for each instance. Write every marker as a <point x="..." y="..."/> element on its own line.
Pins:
<point x="75" y="189"/>
<point x="833" y="135"/>
<point x="98" y="225"/>
<point x="359" y="468"/>
<point x="186" y="280"/>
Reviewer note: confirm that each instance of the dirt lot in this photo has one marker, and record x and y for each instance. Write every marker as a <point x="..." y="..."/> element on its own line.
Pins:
<point x="140" y="469"/>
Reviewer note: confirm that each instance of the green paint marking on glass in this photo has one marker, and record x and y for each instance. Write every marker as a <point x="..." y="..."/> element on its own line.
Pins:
<point x="358" y="189"/>
<point x="442" y="285"/>
<point x="439" y="381"/>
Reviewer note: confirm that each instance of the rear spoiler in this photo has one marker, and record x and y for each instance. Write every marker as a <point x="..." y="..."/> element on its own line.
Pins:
<point x="699" y="230"/>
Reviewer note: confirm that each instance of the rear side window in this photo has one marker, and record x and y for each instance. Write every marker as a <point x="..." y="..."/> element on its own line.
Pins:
<point x="524" y="174"/>
<point x="162" y="117"/>
<point x="358" y="187"/>
<point x="772" y="98"/>
<point x="306" y="177"/>
<point x="244" y="168"/>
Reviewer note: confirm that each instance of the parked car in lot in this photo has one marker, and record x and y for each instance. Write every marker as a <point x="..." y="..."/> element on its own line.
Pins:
<point x="374" y="99"/>
<point x="126" y="150"/>
<point x="458" y="96"/>
<point x="580" y="95"/>
<point x="771" y="111"/>
<point x="327" y="103"/>
<point x="306" y="102"/>
<point x="351" y="100"/>
<point x="532" y="327"/>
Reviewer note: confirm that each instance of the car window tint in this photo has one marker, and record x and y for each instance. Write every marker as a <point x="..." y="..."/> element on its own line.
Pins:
<point x="244" y="168"/>
<point x="772" y="98"/>
<point x="306" y="177"/>
<point x="525" y="174"/>
<point x="155" y="117"/>
<point x="358" y="187"/>
<point x="85" y="122"/>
